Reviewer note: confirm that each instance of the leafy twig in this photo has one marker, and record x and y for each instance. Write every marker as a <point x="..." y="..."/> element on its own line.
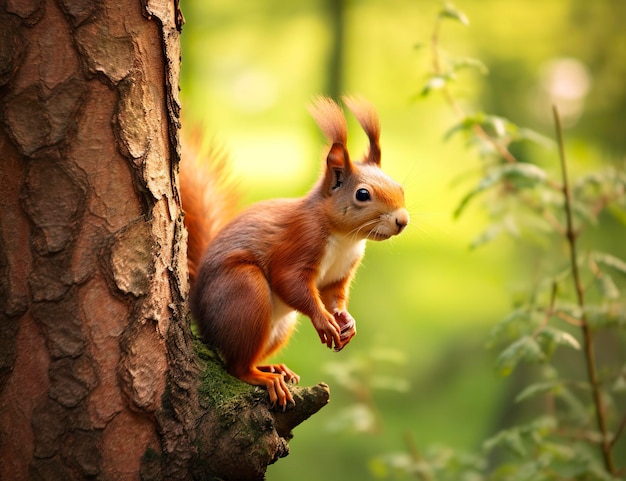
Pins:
<point x="438" y="71"/>
<point x="571" y="236"/>
<point x="564" y="316"/>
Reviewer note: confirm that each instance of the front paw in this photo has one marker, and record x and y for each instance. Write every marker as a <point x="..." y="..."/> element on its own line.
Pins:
<point x="328" y="330"/>
<point x="347" y="324"/>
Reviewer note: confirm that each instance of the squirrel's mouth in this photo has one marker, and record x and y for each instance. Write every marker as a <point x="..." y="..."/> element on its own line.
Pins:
<point x="378" y="236"/>
<point x="389" y="225"/>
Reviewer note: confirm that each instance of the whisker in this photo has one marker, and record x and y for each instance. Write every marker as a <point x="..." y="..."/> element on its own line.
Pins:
<point x="410" y="176"/>
<point x="432" y="224"/>
<point x="359" y="227"/>
<point x="354" y="232"/>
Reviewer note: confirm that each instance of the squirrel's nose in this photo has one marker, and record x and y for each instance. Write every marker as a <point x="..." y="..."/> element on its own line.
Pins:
<point x="402" y="220"/>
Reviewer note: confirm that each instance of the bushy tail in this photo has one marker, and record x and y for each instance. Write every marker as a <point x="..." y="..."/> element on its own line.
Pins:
<point x="209" y="197"/>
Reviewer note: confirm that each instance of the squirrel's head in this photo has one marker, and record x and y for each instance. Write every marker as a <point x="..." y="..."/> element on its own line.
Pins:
<point x="360" y="199"/>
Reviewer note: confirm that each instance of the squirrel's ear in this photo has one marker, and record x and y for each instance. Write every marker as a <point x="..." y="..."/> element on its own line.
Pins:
<point x="338" y="167"/>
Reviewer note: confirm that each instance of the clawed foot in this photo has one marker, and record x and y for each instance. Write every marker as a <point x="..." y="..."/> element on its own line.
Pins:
<point x="287" y="373"/>
<point x="276" y="378"/>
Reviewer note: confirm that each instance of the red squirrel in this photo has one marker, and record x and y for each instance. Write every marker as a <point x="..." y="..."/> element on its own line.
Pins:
<point x="286" y="255"/>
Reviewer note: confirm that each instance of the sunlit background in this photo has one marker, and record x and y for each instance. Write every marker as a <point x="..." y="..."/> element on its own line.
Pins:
<point x="418" y="373"/>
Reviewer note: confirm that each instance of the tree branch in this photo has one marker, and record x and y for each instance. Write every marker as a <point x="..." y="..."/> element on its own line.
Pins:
<point x="238" y="434"/>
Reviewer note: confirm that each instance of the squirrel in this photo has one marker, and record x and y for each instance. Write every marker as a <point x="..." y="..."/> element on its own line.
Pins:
<point x="249" y="276"/>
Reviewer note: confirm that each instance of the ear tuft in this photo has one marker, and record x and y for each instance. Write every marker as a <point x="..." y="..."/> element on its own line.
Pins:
<point x="330" y="119"/>
<point x="366" y="115"/>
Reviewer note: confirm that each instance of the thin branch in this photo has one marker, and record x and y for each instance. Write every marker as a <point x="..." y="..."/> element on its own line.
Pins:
<point x="564" y="316"/>
<point x="416" y="456"/>
<point x="478" y="130"/>
<point x="437" y="69"/>
<point x="619" y="432"/>
<point x="571" y="236"/>
<point x="549" y="311"/>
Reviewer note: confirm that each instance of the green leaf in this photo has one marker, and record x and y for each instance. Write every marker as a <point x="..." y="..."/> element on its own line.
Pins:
<point x="551" y="338"/>
<point x="610" y="261"/>
<point x="523" y="133"/>
<point x="525" y="348"/>
<point x="605" y="317"/>
<point x="378" y="468"/>
<point x="357" y="417"/>
<point x="607" y="287"/>
<point x="388" y="355"/>
<point x="559" y="451"/>
<point x="487" y="236"/>
<point x="493" y="125"/>
<point x="577" y="409"/>
<point x="436" y="82"/>
<point x="484" y="184"/>
<point x="541" y="427"/>
<point x="396" y="462"/>
<point x="465" y="125"/>
<point x="471" y="63"/>
<point x="510" y="325"/>
<point x="390" y="383"/>
<point x="538" y="388"/>
<point x="510" y="439"/>
<point x="521" y="175"/>
<point x="618" y="212"/>
<point x="584" y="212"/>
<point x="619" y="386"/>
<point x="451" y="12"/>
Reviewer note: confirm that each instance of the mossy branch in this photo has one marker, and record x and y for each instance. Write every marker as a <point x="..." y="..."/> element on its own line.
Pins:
<point x="238" y="434"/>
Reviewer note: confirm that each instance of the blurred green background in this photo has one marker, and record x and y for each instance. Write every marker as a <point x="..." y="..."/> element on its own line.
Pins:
<point x="424" y="302"/>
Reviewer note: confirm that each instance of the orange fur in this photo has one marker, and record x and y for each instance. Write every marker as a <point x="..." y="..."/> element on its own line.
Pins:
<point x="208" y="195"/>
<point x="365" y="114"/>
<point x="287" y="255"/>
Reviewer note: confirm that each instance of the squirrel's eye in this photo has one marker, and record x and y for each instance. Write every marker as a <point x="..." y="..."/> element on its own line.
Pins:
<point x="363" y="195"/>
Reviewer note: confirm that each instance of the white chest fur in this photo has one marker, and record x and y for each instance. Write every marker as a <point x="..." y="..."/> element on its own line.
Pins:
<point x="340" y="254"/>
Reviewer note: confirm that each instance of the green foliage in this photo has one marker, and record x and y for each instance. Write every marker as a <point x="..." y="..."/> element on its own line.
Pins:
<point x="497" y="128"/>
<point x="450" y="11"/>
<point x="248" y="70"/>
<point x="578" y="298"/>
<point x="437" y="463"/>
<point x="516" y="176"/>
<point x="361" y="376"/>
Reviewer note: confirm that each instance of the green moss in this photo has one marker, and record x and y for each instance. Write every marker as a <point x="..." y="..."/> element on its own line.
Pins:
<point x="217" y="387"/>
<point x="150" y="469"/>
<point x="150" y="454"/>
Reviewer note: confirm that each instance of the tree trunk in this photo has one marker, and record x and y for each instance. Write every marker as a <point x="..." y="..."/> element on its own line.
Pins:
<point x="99" y="377"/>
<point x="336" y="15"/>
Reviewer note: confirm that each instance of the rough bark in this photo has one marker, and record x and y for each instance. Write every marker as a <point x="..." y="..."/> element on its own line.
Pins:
<point x="99" y="377"/>
<point x="94" y="276"/>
